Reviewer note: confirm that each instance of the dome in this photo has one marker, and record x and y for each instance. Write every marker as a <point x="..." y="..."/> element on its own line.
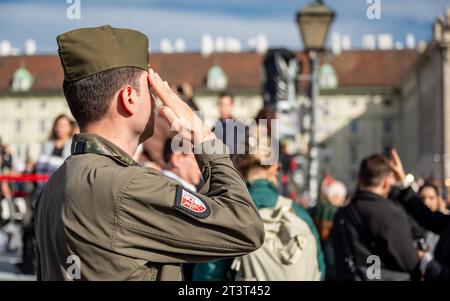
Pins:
<point x="22" y="80"/>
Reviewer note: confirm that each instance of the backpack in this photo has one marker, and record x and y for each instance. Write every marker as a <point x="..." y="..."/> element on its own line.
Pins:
<point x="347" y="220"/>
<point x="289" y="251"/>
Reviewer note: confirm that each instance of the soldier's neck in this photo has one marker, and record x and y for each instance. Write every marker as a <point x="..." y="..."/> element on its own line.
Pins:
<point x="128" y="143"/>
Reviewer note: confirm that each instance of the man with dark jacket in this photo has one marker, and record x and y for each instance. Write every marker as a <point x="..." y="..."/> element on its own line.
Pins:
<point x="374" y="225"/>
<point x="231" y="131"/>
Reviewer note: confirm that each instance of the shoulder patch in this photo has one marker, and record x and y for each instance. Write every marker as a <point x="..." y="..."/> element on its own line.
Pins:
<point x="190" y="204"/>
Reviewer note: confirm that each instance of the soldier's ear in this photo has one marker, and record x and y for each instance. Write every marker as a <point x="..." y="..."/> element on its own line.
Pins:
<point x="127" y="102"/>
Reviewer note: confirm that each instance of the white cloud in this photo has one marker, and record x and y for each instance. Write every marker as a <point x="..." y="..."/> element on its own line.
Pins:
<point x="44" y="21"/>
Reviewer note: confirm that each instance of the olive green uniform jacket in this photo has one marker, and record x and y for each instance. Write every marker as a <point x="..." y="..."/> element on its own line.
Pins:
<point x="103" y="217"/>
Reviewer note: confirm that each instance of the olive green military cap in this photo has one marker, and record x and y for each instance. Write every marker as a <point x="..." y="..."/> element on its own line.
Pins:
<point x="87" y="51"/>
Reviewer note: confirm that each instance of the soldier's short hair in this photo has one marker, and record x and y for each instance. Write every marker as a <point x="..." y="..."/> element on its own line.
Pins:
<point x="373" y="169"/>
<point x="89" y="98"/>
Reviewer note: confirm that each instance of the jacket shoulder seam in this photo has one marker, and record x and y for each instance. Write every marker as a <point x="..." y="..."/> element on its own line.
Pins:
<point x="117" y="210"/>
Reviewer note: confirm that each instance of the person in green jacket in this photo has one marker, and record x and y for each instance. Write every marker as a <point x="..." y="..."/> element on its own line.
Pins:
<point x="262" y="183"/>
<point x="332" y="196"/>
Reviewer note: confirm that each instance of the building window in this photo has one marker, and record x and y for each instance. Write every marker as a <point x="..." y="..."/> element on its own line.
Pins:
<point x="19" y="151"/>
<point x="18" y="126"/>
<point x="387" y="102"/>
<point x="353" y="153"/>
<point x="387" y="150"/>
<point x="327" y="77"/>
<point x="387" y="126"/>
<point x="22" y="80"/>
<point x="326" y="153"/>
<point x="42" y="126"/>
<point x="326" y="159"/>
<point x="354" y="127"/>
<point x="216" y="79"/>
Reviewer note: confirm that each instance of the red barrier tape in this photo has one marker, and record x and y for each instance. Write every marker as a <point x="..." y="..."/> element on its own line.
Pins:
<point x="25" y="178"/>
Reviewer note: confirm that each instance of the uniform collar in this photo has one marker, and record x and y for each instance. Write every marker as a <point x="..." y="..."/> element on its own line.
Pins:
<point x="177" y="178"/>
<point x="90" y="143"/>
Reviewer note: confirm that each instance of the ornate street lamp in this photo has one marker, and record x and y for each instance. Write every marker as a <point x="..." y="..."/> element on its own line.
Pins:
<point x="314" y="23"/>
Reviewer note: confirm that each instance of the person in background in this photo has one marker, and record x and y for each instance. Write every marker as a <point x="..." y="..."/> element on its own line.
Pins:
<point x="434" y="264"/>
<point x="375" y="225"/>
<point x="444" y="202"/>
<point x="57" y="148"/>
<point x="6" y="166"/>
<point x="288" y="166"/>
<point x="265" y="117"/>
<point x="232" y="132"/>
<point x="145" y="160"/>
<point x="187" y="94"/>
<point x="7" y="161"/>
<point x="332" y="196"/>
<point x="183" y="168"/>
<point x="262" y="183"/>
<point x="6" y="194"/>
<point x="226" y="104"/>
<point x="432" y="198"/>
<point x="153" y="148"/>
<point x="54" y="152"/>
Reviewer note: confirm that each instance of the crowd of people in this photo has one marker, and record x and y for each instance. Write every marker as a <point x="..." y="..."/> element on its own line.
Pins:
<point x="406" y="227"/>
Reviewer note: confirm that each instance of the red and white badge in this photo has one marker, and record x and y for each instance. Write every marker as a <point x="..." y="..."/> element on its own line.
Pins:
<point x="191" y="204"/>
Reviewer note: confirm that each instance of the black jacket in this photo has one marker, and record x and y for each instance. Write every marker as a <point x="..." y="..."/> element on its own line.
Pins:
<point x="418" y="232"/>
<point x="384" y="231"/>
<point x="437" y="222"/>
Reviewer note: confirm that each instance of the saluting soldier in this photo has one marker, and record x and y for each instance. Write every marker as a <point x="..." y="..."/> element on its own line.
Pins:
<point x="112" y="218"/>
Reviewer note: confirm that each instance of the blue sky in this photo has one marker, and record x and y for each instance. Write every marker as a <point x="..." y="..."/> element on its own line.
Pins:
<point x="189" y="19"/>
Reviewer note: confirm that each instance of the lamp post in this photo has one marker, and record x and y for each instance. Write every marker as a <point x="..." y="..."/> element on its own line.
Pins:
<point x="314" y="22"/>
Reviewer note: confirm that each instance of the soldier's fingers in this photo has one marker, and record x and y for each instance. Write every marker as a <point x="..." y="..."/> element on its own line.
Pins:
<point x="160" y="88"/>
<point x="167" y="96"/>
<point x="171" y="117"/>
<point x="155" y="82"/>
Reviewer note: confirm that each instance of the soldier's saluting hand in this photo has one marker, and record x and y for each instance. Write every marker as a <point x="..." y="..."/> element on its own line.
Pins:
<point x="179" y="115"/>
